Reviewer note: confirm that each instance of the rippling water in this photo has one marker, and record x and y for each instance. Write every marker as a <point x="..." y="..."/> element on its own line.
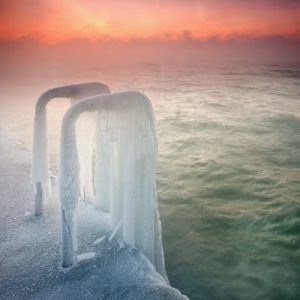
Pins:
<point x="228" y="175"/>
<point x="229" y="185"/>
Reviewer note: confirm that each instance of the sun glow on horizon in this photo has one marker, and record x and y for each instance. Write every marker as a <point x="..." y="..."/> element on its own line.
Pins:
<point x="61" y="20"/>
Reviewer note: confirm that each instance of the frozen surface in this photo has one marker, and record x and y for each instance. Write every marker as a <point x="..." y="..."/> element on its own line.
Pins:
<point x="30" y="255"/>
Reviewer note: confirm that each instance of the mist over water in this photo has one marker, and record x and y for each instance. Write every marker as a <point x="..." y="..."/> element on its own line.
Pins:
<point x="228" y="175"/>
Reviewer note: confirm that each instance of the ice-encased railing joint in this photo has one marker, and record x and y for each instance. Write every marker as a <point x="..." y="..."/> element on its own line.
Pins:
<point x="127" y="136"/>
<point x="40" y="166"/>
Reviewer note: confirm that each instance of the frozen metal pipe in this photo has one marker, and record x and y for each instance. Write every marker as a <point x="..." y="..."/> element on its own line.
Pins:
<point x="69" y="190"/>
<point x="39" y="170"/>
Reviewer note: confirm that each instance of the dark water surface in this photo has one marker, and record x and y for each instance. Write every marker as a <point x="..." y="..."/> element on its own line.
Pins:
<point x="228" y="174"/>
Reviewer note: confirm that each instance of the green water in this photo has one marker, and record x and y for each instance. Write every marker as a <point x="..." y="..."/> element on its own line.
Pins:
<point x="229" y="184"/>
<point x="228" y="175"/>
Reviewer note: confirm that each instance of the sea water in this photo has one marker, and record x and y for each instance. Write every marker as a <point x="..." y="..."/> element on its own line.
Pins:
<point x="228" y="175"/>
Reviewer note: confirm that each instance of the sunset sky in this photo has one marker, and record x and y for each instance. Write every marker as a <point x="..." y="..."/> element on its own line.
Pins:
<point x="54" y="21"/>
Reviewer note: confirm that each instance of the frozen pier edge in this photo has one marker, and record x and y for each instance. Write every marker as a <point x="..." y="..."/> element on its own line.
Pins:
<point x="30" y="247"/>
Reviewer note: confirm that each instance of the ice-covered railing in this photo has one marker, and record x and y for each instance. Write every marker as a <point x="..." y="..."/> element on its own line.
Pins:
<point x="39" y="171"/>
<point x="125" y="163"/>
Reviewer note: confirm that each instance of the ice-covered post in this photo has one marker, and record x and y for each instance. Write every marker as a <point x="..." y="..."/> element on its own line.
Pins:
<point x="133" y="201"/>
<point x="39" y="171"/>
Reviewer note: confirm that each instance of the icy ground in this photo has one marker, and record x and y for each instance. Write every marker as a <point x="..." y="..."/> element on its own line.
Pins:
<point x="30" y="247"/>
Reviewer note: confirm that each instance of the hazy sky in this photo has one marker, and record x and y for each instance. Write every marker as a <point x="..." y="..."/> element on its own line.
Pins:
<point x="61" y="20"/>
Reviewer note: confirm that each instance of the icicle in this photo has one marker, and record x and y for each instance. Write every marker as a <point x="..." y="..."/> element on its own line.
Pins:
<point x="103" y="162"/>
<point x="85" y="132"/>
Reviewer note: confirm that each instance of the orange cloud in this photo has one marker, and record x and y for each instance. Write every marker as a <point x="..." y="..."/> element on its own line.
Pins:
<point x="58" y="20"/>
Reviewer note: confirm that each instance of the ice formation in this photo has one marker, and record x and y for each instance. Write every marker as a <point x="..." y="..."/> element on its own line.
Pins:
<point x="125" y="159"/>
<point x="29" y="247"/>
<point x="85" y="132"/>
<point x="39" y="171"/>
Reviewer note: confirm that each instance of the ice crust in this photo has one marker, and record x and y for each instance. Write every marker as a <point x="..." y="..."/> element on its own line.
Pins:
<point x="126" y="151"/>
<point x="30" y="247"/>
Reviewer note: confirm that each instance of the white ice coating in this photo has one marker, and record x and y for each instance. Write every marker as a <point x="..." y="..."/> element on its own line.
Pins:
<point x="40" y="170"/>
<point x="85" y="132"/>
<point x="126" y="154"/>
